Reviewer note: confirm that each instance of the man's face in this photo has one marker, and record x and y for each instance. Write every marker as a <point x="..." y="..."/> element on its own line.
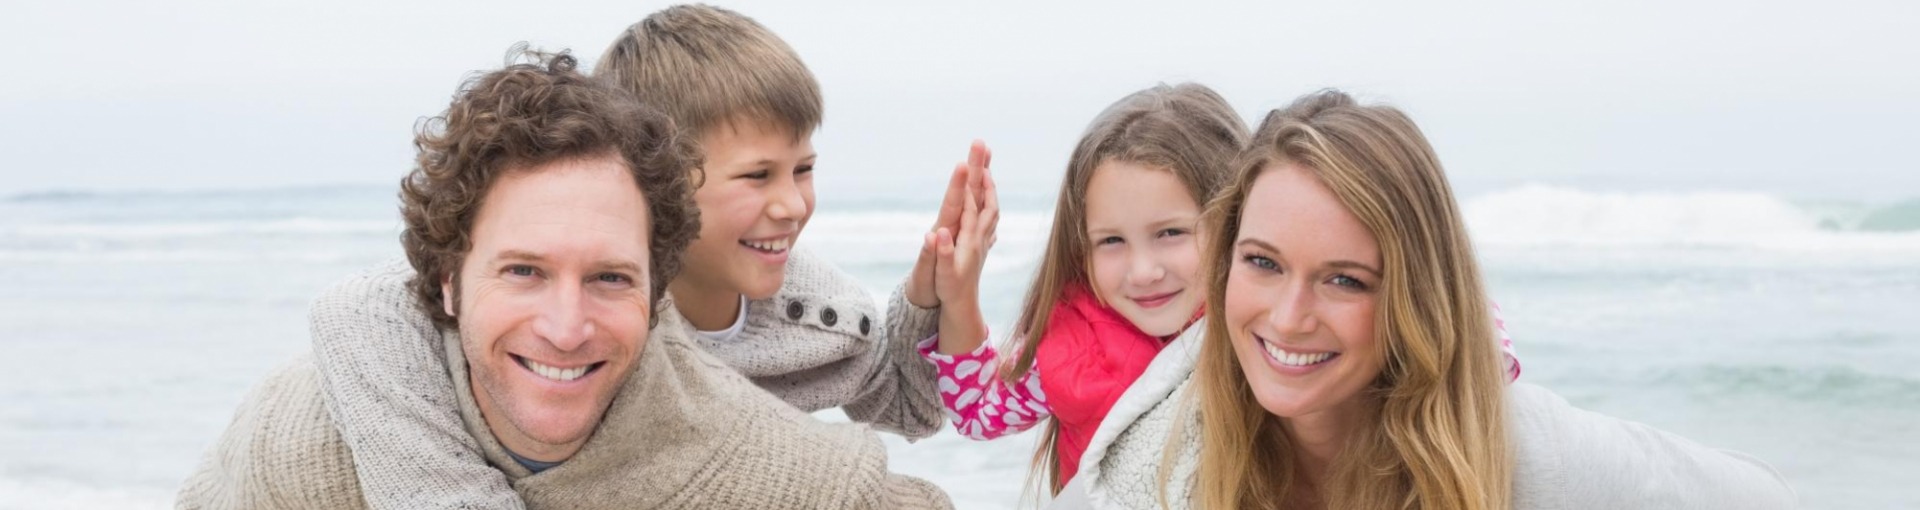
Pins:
<point x="553" y="301"/>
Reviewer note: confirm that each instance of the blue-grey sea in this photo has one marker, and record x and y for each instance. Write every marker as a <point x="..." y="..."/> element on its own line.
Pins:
<point x="132" y="323"/>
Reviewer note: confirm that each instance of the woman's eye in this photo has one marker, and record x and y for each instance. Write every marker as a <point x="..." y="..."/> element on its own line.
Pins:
<point x="1262" y="262"/>
<point x="1348" y="282"/>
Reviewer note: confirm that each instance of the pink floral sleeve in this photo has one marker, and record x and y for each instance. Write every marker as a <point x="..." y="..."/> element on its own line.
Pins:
<point x="981" y="405"/>
<point x="1506" y="345"/>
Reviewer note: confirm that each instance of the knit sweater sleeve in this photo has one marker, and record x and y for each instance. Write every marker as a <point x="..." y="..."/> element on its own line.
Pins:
<point x="383" y="376"/>
<point x="900" y="396"/>
<point x="981" y="405"/>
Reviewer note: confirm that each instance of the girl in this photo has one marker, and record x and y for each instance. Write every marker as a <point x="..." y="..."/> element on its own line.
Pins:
<point x="1116" y="282"/>
<point x="1342" y="366"/>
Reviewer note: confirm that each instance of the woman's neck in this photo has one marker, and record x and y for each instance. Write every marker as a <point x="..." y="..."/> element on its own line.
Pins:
<point x="706" y="307"/>
<point x="1319" y="437"/>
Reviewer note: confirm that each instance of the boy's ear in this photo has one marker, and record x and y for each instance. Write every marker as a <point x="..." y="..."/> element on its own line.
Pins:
<point x="446" y="295"/>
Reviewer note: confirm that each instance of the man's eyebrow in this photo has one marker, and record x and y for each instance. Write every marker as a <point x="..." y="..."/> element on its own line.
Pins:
<point x="519" y="255"/>
<point x="620" y="265"/>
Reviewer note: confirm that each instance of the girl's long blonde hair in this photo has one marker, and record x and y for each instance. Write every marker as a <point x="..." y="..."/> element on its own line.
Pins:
<point x="1437" y="434"/>
<point x="1187" y="129"/>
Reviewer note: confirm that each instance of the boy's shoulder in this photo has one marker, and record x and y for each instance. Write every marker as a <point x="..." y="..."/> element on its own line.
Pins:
<point x="818" y="296"/>
<point x="819" y="316"/>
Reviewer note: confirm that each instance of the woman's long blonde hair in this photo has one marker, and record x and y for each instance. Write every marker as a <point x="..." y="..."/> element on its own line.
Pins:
<point x="1437" y="434"/>
<point x="1187" y="129"/>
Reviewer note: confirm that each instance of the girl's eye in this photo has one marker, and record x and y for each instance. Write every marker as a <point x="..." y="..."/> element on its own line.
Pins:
<point x="803" y="169"/>
<point x="1109" y="240"/>
<point x="1173" y="232"/>
<point x="1262" y="262"/>
<point x="1348" y="282"/>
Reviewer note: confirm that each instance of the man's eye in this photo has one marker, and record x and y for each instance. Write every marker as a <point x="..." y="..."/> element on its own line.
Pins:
<point x="520" y="270"/>
<point x="613" y="278"/>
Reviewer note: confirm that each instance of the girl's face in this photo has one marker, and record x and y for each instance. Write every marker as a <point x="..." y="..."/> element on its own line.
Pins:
<point x="1145" y="252"/>
<point x="757" y="196"/>
<point x="1302" y="286"/>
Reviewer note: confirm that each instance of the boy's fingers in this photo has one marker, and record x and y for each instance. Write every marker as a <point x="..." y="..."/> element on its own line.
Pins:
<point x="950" y="205"/>
<point x="978" y="156"/>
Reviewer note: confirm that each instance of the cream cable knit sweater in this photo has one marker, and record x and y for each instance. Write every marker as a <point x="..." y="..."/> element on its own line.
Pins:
<point x="815" y="344"/>
<point x="1565" y="457"/>
<point x="685" y="431"/>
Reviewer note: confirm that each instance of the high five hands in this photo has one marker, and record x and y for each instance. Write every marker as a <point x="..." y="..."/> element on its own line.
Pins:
<point x="954" y="251"/>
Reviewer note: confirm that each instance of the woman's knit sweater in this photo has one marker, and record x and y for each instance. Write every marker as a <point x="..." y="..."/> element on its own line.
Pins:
<point x="685" y="431"/>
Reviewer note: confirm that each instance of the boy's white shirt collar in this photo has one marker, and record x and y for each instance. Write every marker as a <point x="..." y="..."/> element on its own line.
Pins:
<point x="739" y="324"/>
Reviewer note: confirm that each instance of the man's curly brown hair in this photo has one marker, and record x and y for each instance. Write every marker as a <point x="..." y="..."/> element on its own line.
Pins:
<point x="528" y="114"/>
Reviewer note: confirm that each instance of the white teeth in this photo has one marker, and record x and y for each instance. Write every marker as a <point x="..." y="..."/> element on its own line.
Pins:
<point x="776" y="246"/>
<point x="557" y="374"/>
<point x="1294" y="359"/>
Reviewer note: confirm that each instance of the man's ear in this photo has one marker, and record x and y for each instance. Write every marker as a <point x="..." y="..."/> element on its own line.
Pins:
<point x="446" y="295"/>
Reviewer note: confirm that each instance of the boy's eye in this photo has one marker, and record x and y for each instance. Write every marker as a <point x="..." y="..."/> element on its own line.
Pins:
<point x="758" y="175"/>
<point x="803" y="169"/>
<point x="1261" y="262"/>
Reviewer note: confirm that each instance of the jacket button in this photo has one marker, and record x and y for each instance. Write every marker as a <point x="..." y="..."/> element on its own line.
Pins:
<point x="866" y="324"/>
<point x="829" y="317"/>
<point x="795" y="310"/>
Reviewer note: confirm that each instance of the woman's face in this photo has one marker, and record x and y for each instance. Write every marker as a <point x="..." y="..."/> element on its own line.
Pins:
<point x="1302" y="285"/>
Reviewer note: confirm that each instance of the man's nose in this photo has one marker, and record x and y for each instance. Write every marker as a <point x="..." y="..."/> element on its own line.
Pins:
<point x="563" y="319"/>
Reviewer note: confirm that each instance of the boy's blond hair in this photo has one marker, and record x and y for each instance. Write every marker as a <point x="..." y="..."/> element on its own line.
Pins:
<point x="707" y="66"/>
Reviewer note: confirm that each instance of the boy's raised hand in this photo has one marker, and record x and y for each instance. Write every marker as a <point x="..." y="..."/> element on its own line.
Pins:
<point x="962" y="252"/>
<point x="920" y="284"/>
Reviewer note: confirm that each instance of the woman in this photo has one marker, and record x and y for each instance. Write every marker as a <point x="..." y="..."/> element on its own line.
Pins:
<point x="1345" y="363"/>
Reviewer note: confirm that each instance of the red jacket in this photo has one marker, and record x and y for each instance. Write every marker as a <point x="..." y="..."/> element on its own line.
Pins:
<point x="1089" y="355"/>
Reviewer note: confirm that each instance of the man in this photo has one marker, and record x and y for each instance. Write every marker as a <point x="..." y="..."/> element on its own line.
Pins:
<point x="545" y="218"/>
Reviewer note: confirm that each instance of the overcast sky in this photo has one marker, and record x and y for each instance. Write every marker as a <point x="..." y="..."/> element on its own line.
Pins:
<point x="1804" y="99"/>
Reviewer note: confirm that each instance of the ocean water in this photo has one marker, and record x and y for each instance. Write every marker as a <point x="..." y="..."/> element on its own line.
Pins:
<point x="132" y="324"/>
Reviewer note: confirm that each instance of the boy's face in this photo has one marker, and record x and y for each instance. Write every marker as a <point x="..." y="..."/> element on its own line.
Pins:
<point x="757" y="196"/>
